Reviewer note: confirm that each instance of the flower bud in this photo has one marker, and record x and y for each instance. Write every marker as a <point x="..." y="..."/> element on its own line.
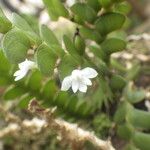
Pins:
<point x="79" y="44"/>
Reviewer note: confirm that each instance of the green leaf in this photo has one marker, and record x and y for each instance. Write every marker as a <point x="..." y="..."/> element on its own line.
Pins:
<point x="130" y="147"/>
<point x="49" y="89"/>
<point x="120" y="114"/>
<point x="117" y="82"/>
<point x="83" y="109"/>
<point x="134" y="95"/>
<point x="105" y="93"/>
<point x="91" y="34"/>
<point x="13" y="92"/>
<point x="105" y="3"/>
<point x="48" y="36"/>
<point x="5" y="24"/>
<point x="98" y="52"/>
<point x="67" y="65"/>
<point x="84" y="11"/>
<point x="80" y="44"/>
<point x="15" y="46"/>
<point x="72" y="103"/>
<point x="116" y="64"/>
<point x="24" y="101"/>
<point x="59" y="7"/>
<point x="109" y="22"/>
<point x="141" y="140"/>
<point x="23" y="25"/>
<point x="71" y="48"/>
<point x="61" y="99"/>
<point x="123" y="8"/>
<point x="56" y="9"/>
<point x="4" y="69"/>
<point x="51" y="10"/>
<point x="113" y="45"/>
<point x="94" y="4"/>
<point x="4" y="81"/>
<point x="32" y="21"/>
<point x="50" y="39"/>
<point x="134" y="71"/>
<point x="45" y="59"/>
<point x="34" y="81"/>
<point x="125" y="131"/>
<point x="139" y="118"/>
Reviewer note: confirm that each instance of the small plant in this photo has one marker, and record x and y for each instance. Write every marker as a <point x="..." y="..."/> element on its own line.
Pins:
<point x="49" y="69"/>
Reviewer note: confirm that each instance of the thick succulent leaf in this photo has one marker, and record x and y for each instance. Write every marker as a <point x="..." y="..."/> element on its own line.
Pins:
<point x="94" y="4"/>
<point x="109" y="22"/>
<point x="34" y="81"/>
<point x="113" y="45"/>
<point x="61" y="99"/>
<point x="5" y="24"/>
<point x="131" y="146"/>
<point x="23" y="25"/>
<point x="105" y="93"/>
<point x="67" y="65"/>
<point x="84" y="11"/>
<point x="15" y="46"/>
<point x="117" y="82"/>
<point x="139" y="118"/>
<point x="98" y="52"/>
<point x="4" y="81"/>
<point x="3" y="68"/>
<point x="91" y="34"/>
<point x="24" y="101"/>
<point x="83" y="109"/>
<point x="49" y="89"/>
<point x="123" y="8"/>
<point x="51" y="40"/>
<point x="56" y="9"/>
<point x="46" y="59"/>
<point x="134" y="71"/>
<point x="79" y="43"/>
<point x="134" y="95"/>
<point x="13" y="92"/>
<point x="105" y="3"/>
<point x="48" y="36"/>
<point x="125" y="131"/>
<point x="120" y="114"/>
<point x="141" y="140"/>
<point x="32" y="21"/>
<point x="72" y="104"/>
<point x="70" y="47"/>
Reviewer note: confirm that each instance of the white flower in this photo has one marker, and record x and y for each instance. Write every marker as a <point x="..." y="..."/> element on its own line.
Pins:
<point x="24" y="67"/>
<point x="79" y="80"/>
<point x="147" y="104"/>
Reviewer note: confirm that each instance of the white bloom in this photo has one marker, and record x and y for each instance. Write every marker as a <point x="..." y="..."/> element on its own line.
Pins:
<point x="147" y="104"/>
<point x="79" y="80"/>
<point x="70" y="2"/>
<point x="24" y="67"/>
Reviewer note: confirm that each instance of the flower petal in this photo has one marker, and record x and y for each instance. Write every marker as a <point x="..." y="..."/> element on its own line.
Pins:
<point x="20" y="76"/>
<point x="89" y="72"/>
<point x="86" y="81"/>
<point x="75" y="86"/>
<point x="82" y="88"/>
<point x="66" y="84"/>
<point x="27" y="64"/>
<point x="17" y="73"/>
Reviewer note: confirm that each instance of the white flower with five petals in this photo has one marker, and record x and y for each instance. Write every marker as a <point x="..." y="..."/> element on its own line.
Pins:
<point x="24" y="67"/>
<point x="79" y="80"/>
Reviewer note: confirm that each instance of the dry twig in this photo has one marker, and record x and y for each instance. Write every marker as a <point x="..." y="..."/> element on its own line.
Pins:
<point x="68" y="131"/>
